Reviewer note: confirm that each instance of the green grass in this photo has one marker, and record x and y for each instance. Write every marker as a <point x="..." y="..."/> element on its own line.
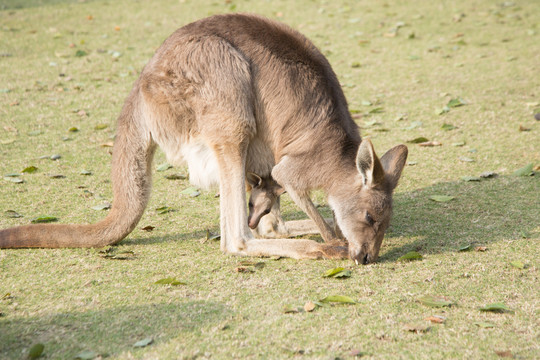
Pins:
<point x="75" y="299"/>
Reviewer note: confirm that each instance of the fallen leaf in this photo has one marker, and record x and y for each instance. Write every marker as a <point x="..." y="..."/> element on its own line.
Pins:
<point x="504" y="353"/>
<point x="338" y="299"/>
<point x="210" y="236"/>
<point x="435" y="301"/>
<point x="488" y="175"/>
<point x="480" y="248"/>
<point x="414" y="125"/>
<point x="244" y="269"/>
<point x="111" y="254"/>
<point x="57" y="176"/>
<point x="471" y="178"/>
<point x="518" y="264"/>
<point x="36" y="351"/>
<point x="30" y="170"/>
<point x="444" y="110"/>
<point x="484" y="325"/>
<point x="73" y="129"/>
<point x="109" y="144"/>
<point x="370" y="123"/>
<point x="15" y="180"/>
<point x="170" y="281"/>
<point x="436" y="319"/>
<point x="441" y="198"/>
<point x="466" y="159"/>
<point x="430" y="143"/>
<point x="497" y="308"/>
<point x="85" y="172"/>
<point x="143" y="342"/>
<point x="191" y="191"/>
<point x="101" y="126"/>
<point x="43" y="219"/>
<point x="447" y="127"/>
<point x="523" y="128"/>
<point x="175" y="177"/>
<point x="358" y="353"/>
<point x="290" y="309"/>
<point x="148" y="228"/>
<point x="465" y="248"/>
<point x="86" y="355"/>
<point x="12" y="214"/>
<point x="456" y="102"/>
<point x="164" y="167"/>
<point x="458" y="144"/>
<point x="310" y="306"/>
<point x="104" y="206"/>
<point x="418" y="140"/>
<point x="55" y="157"/>
<point x="410" y="256"/>
<point x="527" y="170"/>
<point x="377" y="110"/>
<point x="164" y="210"/>
<point x="417" y="328"/>
<point x="333" y="271"/>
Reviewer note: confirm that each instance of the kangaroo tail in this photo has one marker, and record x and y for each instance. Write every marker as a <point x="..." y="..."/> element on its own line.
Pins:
<point x="133" y="152"/>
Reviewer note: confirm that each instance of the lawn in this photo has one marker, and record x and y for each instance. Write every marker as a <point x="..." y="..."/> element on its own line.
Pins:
<point x="463" y="75"/>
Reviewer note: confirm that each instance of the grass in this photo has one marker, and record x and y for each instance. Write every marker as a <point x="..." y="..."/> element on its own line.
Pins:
<point x="408" y="59"/>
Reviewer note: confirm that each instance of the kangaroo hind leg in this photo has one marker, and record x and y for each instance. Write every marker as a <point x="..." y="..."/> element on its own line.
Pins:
<point x="225" y="119"/>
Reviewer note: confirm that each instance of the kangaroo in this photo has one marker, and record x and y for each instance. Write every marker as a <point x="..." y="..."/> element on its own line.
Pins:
<point x="264" y="200"/>
<point x="241" y="93"/>
<point x="264" y="195"/>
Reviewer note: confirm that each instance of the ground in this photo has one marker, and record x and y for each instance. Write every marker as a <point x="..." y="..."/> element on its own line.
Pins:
<point x="461" y="74"/>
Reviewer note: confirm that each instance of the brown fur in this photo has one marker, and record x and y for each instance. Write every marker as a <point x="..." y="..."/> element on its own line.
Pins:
<point x="245" y="94"/>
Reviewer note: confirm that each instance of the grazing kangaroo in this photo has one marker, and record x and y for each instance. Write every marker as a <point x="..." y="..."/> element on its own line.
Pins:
<point x="241" y="93"/>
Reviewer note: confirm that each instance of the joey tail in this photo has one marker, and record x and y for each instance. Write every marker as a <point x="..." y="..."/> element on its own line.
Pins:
<point x="131" y="179"/>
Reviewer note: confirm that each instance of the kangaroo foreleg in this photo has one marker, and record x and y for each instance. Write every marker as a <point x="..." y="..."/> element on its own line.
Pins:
<point x="305" y="203"/>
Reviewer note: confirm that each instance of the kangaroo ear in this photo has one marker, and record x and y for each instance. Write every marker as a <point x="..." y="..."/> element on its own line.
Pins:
<point x="368" y="164"/>
<point x="253" y="179"/>
<point x="393" y="162"/>
<point x="278" y="190"/>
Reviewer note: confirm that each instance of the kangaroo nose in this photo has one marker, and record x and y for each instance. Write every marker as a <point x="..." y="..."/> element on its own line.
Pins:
<point x="365" y="260"/>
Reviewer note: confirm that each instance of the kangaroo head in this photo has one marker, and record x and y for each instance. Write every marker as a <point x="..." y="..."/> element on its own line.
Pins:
<point x="363" y="208"/>
<point x="264" y="194"/>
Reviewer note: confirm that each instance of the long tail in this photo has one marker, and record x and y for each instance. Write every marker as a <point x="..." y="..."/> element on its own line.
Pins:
<point x="133" y="152"/>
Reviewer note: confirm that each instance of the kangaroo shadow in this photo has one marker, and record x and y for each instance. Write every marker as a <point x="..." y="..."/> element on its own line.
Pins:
<point x="482" y="212"/>
<point x="162" y="322"/>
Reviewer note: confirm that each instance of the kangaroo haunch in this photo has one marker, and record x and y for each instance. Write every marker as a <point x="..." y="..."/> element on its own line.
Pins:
<point x="232" y="94"/>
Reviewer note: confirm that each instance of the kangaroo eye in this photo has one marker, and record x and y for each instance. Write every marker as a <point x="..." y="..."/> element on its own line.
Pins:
<point x="267" y="211"/>
<point x="250" y="205"/>
<point x="369" y="219"/>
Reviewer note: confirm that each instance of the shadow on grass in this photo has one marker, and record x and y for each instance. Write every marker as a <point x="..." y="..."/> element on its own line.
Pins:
<point x="162" y="322"/>
<point x="23" y="4"/>
<point x="481" y="213"/>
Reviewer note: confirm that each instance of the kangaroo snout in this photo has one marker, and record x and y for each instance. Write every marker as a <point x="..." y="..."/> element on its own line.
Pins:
<point x="362" y="255"/>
